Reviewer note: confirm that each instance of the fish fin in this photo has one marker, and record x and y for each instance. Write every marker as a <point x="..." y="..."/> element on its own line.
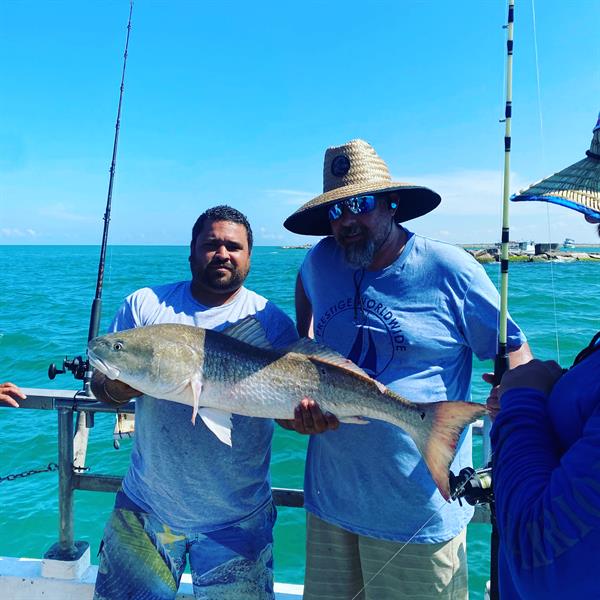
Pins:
<point x="444" y="423"/>
<point x="354" y="420"/>
<point x="196" y="389"/>
<point x="250" y="331"/>
<point x="219" y="422"/>
<point x="323" y="353"/>
<point x="380" y="386"/>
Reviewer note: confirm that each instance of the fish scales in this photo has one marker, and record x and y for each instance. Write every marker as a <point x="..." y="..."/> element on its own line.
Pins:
<point x="251" y="381"/>
<point x="236" y="371"/>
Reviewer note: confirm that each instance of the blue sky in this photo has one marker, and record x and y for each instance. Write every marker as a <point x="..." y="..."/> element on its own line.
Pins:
<point x="235" y="102"/>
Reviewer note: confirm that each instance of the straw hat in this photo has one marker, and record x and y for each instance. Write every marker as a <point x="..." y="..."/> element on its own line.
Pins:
<point x="576" y="187"/>
<point x="355" y="169"/>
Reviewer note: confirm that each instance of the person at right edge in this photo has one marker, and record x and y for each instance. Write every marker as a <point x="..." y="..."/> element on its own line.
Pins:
<point x="411" y="312"/>
<point x="546" y="444"/>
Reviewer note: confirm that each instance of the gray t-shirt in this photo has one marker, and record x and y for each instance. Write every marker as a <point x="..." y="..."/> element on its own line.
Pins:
<point x="181" y="472"/>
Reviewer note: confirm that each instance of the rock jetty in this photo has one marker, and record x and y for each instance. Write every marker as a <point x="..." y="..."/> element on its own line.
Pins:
<point x="492" y="254"/>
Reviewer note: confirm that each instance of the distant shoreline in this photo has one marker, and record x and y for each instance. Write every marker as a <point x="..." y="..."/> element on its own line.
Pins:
<point x="595" y="244"/>
<point x="492" y="255"/>
<point x="307" y="246"/>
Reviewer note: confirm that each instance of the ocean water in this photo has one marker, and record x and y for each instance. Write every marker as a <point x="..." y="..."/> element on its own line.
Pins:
<point x="45" y="298"/>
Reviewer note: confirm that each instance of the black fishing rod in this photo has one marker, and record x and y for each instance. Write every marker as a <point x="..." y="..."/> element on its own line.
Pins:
<point x="80" y="367"/>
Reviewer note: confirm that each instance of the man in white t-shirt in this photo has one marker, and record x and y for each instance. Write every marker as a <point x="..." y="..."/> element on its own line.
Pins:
<point x="186" y="495"/>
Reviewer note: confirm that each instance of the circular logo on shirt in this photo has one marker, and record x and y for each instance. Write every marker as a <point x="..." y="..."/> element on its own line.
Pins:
<point x="373" y="341"/>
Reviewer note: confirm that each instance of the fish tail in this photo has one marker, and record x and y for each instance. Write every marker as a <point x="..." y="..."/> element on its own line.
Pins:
<point x="447" y="421"/>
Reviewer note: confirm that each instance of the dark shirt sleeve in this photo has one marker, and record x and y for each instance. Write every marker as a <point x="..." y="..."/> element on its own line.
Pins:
<point x="547" y="504"/>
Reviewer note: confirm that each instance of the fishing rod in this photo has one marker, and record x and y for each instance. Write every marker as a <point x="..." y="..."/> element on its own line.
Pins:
<point x="80" y="367"/>
<point x="476" y="486"/>
<point x="501" y="364"/>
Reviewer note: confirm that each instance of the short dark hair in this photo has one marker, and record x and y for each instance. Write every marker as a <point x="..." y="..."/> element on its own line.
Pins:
<point x="222" y="213"/>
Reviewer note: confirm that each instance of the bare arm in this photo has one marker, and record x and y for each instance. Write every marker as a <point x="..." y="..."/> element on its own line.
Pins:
<point x="520" y="356"/>
<point x="112" y="391"/>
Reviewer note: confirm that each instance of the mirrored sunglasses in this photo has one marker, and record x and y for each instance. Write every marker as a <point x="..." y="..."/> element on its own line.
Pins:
<point x="357" y="205"/>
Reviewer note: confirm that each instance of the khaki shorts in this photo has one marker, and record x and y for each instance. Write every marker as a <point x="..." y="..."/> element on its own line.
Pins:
<point x="341" y="565"/>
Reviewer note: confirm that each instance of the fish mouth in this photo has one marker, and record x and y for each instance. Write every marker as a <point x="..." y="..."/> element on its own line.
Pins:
<point x="103" y="367"/>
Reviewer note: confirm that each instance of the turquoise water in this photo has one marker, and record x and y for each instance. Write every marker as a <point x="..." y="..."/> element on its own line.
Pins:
<point x="45" y="298"/>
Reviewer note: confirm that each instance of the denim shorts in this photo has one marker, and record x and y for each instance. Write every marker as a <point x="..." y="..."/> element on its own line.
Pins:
<point x="142" y="558"/>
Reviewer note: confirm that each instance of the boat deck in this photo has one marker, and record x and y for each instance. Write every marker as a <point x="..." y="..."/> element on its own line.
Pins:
<point x="23" y="579"/>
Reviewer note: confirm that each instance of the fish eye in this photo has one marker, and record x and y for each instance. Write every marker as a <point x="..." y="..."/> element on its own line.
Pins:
<point x="118" y="346"/>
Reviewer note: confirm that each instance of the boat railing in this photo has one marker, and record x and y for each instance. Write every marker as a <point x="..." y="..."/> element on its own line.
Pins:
<point x="68" y="403"/>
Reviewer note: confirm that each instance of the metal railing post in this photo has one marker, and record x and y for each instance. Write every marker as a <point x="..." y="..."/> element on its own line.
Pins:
<point x="66" y="549"/>
<point x="65" y="481"/>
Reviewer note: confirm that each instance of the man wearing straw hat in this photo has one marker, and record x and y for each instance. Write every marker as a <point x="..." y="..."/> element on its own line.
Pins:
<point x="546" y="443"/>
<point x="411" y="312"/>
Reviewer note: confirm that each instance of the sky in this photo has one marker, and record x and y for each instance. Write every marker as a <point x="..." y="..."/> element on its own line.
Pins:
<point x="235" y="103"/>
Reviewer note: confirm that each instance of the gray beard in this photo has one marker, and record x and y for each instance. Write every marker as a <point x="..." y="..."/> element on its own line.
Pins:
<point x="360" y="255"/>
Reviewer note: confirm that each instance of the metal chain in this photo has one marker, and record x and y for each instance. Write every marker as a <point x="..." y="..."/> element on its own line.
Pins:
<point x="51" y="467"/>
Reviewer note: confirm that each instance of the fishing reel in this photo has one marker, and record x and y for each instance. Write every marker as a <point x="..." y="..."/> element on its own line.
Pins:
<point x="78" y="366"/>
<point x="474" y="485"/>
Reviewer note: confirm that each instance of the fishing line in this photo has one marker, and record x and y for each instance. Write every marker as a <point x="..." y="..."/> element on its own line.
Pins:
<point x="543" y="149"/>
<point x="457" y="492"/>
<point x="397" y="552"/>
<point x="110" y="257"/>
<point x="539" y="90"/>
<point x="552" y="285"/>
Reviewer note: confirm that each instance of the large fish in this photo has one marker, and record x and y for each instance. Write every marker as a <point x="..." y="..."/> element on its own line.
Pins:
<point x="237" y="371"/>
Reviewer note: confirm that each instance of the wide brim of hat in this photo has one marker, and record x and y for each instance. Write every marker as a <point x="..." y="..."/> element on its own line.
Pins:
<point x="576" y="187"/>
<point x="312" y="218"/>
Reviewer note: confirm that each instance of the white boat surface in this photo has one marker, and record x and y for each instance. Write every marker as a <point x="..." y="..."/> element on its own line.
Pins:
<point x="46" y="579"/>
